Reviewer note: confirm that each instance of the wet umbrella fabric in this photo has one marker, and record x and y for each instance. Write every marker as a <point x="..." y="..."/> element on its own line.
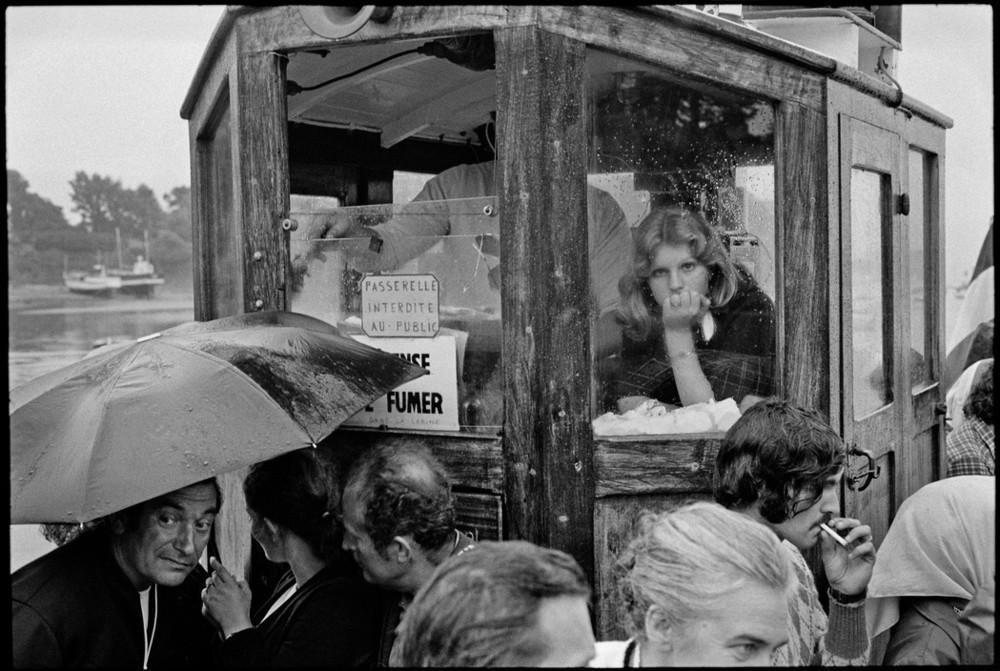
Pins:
<point x="135" y="420"/>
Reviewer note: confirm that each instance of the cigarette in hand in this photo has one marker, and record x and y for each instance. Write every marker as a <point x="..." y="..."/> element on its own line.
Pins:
<point x="833" y="534"/>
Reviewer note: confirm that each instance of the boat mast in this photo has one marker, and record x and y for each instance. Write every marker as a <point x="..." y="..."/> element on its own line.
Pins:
<point x="118" y="244"/>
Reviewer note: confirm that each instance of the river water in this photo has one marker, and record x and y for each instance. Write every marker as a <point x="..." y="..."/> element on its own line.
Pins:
<point x="49" y="328"/>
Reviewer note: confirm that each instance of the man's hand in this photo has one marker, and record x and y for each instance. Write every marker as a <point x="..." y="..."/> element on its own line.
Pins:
<point x="316" y="228"/>
<point x="849" y="569"/>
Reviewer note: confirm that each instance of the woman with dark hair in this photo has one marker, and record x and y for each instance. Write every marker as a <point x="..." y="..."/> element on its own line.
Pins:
<point x="696" y="326"/>
<point x="321" y="613"/>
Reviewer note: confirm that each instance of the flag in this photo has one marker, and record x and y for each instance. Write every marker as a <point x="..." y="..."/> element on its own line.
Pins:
<point x="971" y="336"/>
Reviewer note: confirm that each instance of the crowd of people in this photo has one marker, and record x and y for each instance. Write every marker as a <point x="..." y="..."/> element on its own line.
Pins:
<point x="378" y="574"/>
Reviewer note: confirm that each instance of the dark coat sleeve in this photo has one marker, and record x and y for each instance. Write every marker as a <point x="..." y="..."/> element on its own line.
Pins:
<point x="34" y="644"/>
<point x="329" y="624"/>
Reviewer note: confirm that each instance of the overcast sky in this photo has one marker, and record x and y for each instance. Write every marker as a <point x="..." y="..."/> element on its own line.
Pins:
<point x="99" y="89"/>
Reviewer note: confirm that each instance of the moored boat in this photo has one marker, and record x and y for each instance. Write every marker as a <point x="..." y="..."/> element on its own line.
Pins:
<point x="141" y="280"/>
<point x="97" y="282"/>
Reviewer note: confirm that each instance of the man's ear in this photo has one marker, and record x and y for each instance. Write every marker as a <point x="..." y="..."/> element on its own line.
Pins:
<point x="401" y="550"/>
<point x="658" y="628"/>
<point x="117" y="525"/>
<point x="273" y="530"/>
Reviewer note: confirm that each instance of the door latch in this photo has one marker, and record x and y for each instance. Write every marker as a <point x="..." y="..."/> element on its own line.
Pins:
<point x="858" y="479"/>
<point x="903" y="204"/>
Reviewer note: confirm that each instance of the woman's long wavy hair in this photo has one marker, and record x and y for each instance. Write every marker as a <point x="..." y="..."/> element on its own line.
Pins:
<point x="671" y="225"/>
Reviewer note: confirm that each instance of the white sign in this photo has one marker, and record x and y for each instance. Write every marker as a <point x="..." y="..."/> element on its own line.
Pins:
<point x="399" y="306"/>
<point x="430" y="402"/>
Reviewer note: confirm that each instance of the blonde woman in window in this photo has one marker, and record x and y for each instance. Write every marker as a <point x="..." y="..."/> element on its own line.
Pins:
<point x="696" y="326"/>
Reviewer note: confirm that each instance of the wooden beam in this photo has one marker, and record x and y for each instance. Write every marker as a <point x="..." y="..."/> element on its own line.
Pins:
<point x="542" y="140"/>
<point x="282" y="28"/>
<point x="471" y="461"/>
<point x="259" y="130"/>
<point x="687" y="51"/>
<point x="262" y="178"/>
<point x="676" y="465"/>
<point x="802" y="231"/>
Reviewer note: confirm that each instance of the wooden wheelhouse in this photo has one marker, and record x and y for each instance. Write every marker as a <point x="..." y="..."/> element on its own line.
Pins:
<point x="829" y="180"/>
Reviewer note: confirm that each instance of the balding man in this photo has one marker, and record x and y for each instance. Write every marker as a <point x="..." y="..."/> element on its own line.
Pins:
<point x="399" y="524"/>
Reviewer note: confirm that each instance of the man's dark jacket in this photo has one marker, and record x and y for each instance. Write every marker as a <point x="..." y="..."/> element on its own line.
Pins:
<point x="75" y="607"/>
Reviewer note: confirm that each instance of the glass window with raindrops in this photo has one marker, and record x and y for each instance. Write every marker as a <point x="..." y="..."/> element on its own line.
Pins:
<point x="401" y="250"/>
<point x="418" y="277"/>
<point x="690" y="341"/>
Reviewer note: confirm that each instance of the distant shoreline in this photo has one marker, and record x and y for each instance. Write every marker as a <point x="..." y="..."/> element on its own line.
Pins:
<point x="57" y="299"/>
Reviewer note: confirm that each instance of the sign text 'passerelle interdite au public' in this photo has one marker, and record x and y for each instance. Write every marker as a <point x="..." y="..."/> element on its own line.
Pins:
<point x="401" y="306"/>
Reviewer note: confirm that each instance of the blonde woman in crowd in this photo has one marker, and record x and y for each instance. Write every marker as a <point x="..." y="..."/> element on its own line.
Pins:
<point x="702" y="586"/>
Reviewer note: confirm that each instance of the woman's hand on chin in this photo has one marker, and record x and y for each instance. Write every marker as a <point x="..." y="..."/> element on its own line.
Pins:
<point x="683" y="309"/>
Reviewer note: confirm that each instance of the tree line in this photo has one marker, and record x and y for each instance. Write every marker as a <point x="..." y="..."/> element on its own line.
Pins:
<point x="41" y="243"/>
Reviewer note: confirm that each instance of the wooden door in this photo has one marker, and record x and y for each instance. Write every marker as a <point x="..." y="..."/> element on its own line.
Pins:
<point x="874" y="402"/>
<point x="923" y="268"/>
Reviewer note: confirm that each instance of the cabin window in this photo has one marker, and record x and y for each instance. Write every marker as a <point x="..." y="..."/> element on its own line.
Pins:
<point x="219" y="223"/>
<point x="397" y="243"/>
<point x="920" y="267"/>
<point x="871" y="307"/>
<point x="690" y="170"/>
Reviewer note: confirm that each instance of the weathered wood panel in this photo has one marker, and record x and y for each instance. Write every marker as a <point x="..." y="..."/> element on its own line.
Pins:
<point x="259" y="129"/>
<point x="614" y="523"/>
<point x="263" y="184"/>
<point x="214" y="223"/>
<point x="731" y="31"/>
<point x="204" y="120"/>
<point x="471" y="462"/>
<point x="689" y="52"/>
<point x="215" y="79"/>
<point x="541" y="133"/>
<point x="803" y="231"/>
<point x="926" y="421"/>
<point x="924" y="462"/>
<point x="283" y="27"/>
<point x="881" y="430"/>
<point x="678" y="465"/>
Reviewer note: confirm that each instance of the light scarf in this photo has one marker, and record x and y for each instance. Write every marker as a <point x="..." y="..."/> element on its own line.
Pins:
<point x="942" y="543"/>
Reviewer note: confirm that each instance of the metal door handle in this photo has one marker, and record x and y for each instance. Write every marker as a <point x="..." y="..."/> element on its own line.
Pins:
<point x="858" y="479"/>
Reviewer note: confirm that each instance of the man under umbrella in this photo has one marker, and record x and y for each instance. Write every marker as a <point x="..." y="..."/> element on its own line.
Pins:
<point x="124" y="594"/>
<point x="129" y="428"/>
